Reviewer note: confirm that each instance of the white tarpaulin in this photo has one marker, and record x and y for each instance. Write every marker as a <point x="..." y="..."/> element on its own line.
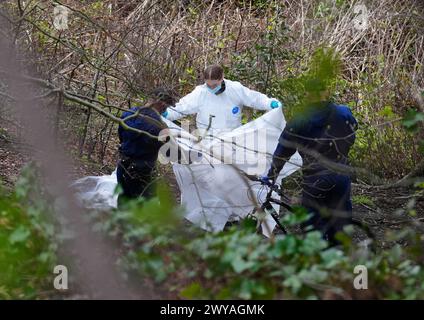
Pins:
<point x="212" y="189"/>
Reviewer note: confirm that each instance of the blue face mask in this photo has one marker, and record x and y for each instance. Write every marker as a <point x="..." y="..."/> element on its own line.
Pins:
<point x="214" y="90"/>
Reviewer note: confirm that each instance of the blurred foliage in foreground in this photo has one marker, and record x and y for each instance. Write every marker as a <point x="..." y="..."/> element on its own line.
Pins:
<point x="236" y="263"/>
<point x="27" y="241"/>
<point x="240" y="264"/>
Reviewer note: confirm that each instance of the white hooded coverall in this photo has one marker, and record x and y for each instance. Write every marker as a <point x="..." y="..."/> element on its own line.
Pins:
<point x="220" y="112"/>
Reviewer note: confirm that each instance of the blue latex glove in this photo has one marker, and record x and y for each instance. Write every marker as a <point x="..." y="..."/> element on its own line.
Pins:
<point x="165" y="114"/>
<point x="265" y="180"/>
<point x="276" y="104"/>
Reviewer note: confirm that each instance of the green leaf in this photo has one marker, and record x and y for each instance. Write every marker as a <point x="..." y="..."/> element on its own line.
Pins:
<point x="19" y="235"/>
<point x="293" y="282"/>
<point x="412" y="119"/>
<point x="299" y="215"/>
<point x="362" y="199"/>
<point x="240" y="265"/>
<point x="387" y="112"/>
<point x="101" y="98"/>
<point x="192" y="291"/>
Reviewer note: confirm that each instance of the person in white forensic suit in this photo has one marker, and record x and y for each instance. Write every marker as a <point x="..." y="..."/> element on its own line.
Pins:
<point x="218" y="105"/>
<point x="219" y="102"/>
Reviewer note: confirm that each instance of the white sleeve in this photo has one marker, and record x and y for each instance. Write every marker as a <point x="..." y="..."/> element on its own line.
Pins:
<point x="252" y="98"/>
<point x="187" y="105"/>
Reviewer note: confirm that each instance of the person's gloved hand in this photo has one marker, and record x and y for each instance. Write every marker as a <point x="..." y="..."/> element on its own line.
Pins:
<point x="276" y="104"/>
<point x="165" y="114"/>
<point x="264" y="179"/>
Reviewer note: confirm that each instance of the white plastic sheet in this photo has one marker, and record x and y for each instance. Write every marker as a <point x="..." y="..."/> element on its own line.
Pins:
<point x="212" y="189"/>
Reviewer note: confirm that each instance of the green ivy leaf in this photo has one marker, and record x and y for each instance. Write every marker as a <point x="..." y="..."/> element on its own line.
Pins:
<point x="240" y="265"/>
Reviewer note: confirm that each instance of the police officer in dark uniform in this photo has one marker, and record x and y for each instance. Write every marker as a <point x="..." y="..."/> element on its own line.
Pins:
<point x="138" y="151"/>
<point x="323" y="135"/>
